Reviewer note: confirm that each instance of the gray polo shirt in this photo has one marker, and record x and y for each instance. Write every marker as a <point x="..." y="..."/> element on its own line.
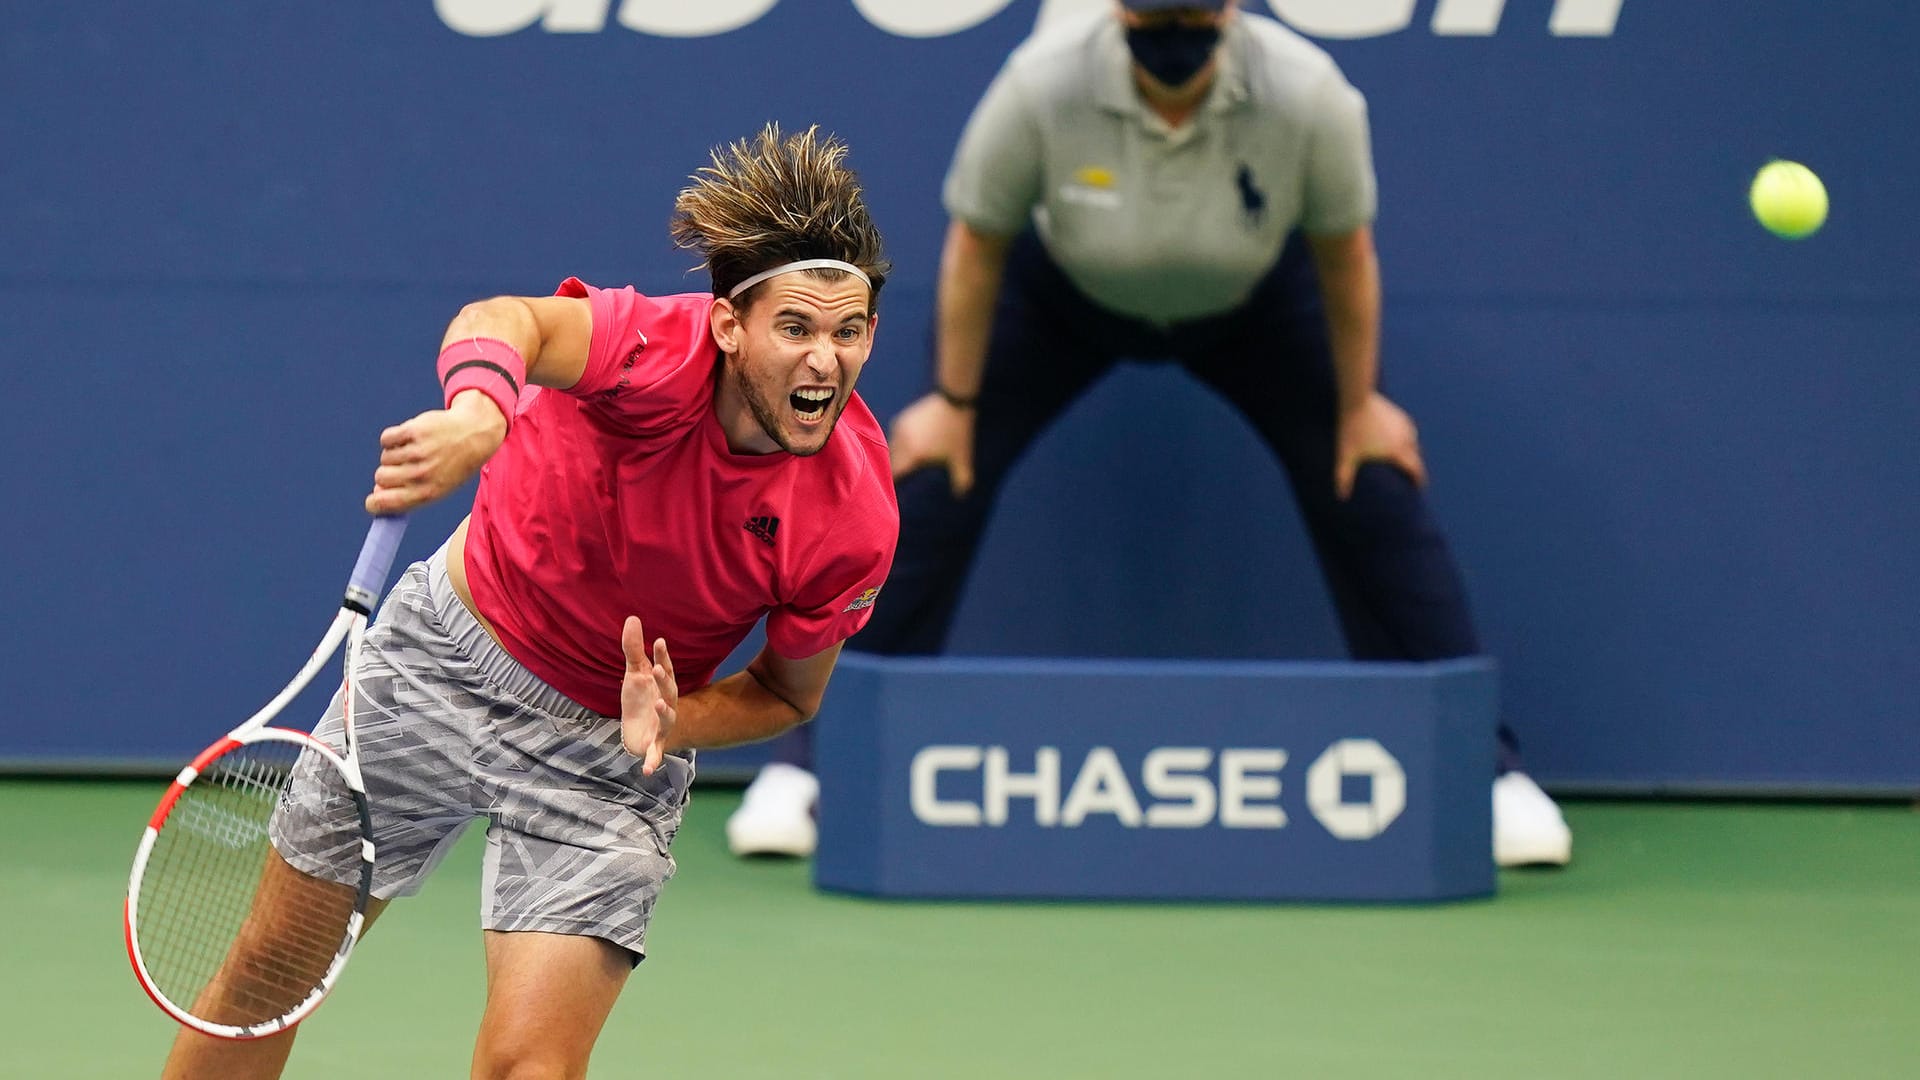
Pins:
<point x="1165" y="224"/>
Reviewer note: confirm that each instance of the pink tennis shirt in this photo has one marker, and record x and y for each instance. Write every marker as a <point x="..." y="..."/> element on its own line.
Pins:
<point x="619" y="496"/>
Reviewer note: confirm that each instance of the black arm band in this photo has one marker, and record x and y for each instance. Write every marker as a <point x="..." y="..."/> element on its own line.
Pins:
<point x="954" y="399"/>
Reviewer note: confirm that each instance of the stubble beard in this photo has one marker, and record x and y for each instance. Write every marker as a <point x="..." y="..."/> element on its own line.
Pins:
<point x="766" y="415"/>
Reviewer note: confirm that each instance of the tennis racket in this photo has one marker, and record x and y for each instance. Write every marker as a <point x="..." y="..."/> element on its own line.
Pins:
<point x="223" y="933"/>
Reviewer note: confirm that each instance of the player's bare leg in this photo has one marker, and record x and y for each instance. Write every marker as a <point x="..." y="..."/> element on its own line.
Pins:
<point x="283" y="906"/>
<point x="548" y="995"/>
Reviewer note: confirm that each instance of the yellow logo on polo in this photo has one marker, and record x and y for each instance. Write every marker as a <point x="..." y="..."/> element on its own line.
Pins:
<point x="1092" y="186"/>
<point x="864" y="600"/>
<point x="1094" y="176"/>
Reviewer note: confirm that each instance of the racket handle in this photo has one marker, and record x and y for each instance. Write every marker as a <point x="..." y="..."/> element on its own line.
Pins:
<point x="376" y="559"/>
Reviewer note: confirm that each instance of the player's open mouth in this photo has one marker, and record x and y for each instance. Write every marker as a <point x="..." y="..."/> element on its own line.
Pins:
<point x="811" y="403"/>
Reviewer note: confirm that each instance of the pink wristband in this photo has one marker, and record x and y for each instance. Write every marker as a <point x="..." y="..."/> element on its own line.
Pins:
<point x="488" y="365"/>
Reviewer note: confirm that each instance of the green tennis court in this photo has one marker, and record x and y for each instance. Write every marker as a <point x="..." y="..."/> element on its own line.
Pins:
<point x="1687" y="940"/>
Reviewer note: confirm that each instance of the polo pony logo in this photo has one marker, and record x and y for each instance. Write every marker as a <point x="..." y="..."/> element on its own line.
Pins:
<point x="1253" y="201"/>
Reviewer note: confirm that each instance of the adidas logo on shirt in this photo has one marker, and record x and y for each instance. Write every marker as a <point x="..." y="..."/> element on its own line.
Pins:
<point x="764" y="528"/>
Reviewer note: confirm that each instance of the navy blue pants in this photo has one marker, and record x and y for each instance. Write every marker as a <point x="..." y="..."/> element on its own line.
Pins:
<point x="1394" y="583"/>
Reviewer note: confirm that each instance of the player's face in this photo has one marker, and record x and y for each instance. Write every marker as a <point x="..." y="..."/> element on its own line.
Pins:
<point x="791" y="360"/>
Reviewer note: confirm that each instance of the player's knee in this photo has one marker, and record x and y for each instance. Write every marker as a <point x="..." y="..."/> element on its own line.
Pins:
<point x="527" y="1059"/>
<point x="526" y="1055"/>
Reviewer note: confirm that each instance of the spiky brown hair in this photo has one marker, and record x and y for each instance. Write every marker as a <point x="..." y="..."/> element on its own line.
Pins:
<point x="776" y="199"/>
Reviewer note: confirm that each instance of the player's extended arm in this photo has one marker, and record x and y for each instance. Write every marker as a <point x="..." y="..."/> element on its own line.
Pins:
<point x="552" y="333"/>
<point x="1370" y="427"/>
<point x="938" y="428"/>
<point x="435" y="452"/>
<point x="770" y="696"/>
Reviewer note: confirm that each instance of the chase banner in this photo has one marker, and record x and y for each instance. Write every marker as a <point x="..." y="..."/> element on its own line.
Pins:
<point x="1157" y="780"/>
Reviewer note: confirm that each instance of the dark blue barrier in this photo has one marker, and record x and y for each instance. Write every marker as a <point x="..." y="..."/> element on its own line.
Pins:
<point x="1157" y="780"/>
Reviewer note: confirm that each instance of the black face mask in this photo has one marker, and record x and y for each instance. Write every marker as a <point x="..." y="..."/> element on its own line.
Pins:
<point x="1173" y="54"/>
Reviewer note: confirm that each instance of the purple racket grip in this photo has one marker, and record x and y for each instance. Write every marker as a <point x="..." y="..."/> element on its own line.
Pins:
<point x="376" y="560"/>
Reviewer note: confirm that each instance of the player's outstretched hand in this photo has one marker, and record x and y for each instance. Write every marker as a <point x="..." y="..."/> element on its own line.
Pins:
<point x="1378" y="430"/>
<point x="933" y="431"/>
<point x="649" y="696"/>
<point x="435" y="452"/>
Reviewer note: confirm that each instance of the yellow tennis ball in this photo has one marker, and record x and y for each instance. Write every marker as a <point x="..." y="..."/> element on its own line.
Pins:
<point x="1788" y="199"/>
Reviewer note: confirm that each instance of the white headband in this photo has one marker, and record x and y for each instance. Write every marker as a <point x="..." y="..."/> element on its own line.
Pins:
<point x="803" y="264"/>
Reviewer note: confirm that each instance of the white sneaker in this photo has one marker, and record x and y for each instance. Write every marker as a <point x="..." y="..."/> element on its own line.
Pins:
<point x="776" y="814"/>
<point x="1528" y="829"/>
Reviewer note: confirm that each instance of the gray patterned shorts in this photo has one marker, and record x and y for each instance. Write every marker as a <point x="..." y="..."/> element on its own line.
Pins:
<point x="451" y="729"/>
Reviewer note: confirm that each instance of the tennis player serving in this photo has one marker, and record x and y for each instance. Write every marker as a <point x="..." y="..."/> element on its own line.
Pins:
<point x="657" y="474"/>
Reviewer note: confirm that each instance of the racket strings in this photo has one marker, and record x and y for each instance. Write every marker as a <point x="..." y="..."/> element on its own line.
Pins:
<point x="227" y="930"/>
